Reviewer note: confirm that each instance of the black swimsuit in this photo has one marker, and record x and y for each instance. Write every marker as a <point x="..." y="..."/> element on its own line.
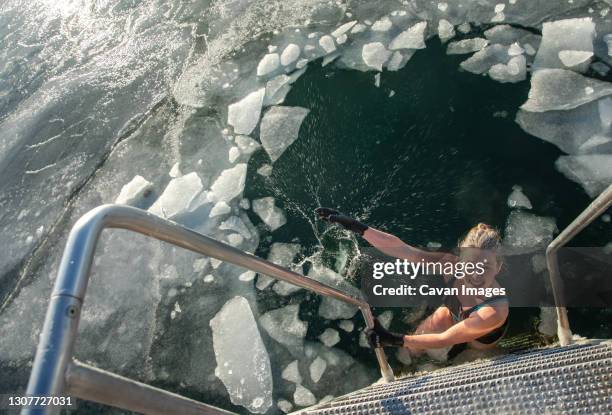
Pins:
<point x="456" y="309"/>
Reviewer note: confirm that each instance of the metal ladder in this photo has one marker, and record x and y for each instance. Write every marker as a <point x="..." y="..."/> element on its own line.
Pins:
<point x="55" y="372"/>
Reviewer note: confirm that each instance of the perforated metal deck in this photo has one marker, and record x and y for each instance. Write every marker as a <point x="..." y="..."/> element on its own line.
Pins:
<point x="576" y="379"/>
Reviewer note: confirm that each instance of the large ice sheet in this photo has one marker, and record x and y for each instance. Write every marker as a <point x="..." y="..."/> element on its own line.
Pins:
<point x="560" y="89"/>
<point x="279" y="129"/>
<point x="246" y="376"/>
<point x="592" y="171"/>
<point x="565" y="35"/>
<point x="244" y="114"/>
<point x="285" y="326"/>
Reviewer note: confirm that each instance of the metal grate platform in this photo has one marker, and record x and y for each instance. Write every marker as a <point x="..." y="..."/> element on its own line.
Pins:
<point x="575" y="379"/>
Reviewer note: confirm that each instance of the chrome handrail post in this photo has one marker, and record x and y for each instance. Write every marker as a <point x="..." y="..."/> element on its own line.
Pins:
<point x="385" y="370"/>
<point x="593" y="211"/>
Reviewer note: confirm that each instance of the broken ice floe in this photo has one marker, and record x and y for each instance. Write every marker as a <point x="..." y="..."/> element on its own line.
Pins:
<point x="270" y="214"/>
<point x="265" y="170"/>
<point x="329" y="337"/>
<point x="572" y="35"/>
<point x="466" y="46"/>
<point x="375" y="55"/>
<point x="290" y="54"/>
<point x="279" y="129"/>
<point x="526" y="230"/>
<point x="178" y="196"/>
<point x="592" y="171"/>
<point x="244" y="114"/>
<point x="229" y="184"/>
<point x="346" y="325"/>
<point x="446" y="30"/>
<point x="220" y="208"/>
<point x="285" y="326"/>
<point x="284" y="405"/>
<point x="268" y="64"/>
<point x="330" y="308"/>
<point x="303" y="397"/>
<point x="517" y="198"/>
<point x="317" y="368"/>
<point x="412" y="38"/>
<point x="291" y="372"/>
<point x="134" y="191"/>
<point x="246" y="376"/>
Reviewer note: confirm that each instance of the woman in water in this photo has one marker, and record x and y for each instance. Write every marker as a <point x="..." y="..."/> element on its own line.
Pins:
<point x="477" y="321"/>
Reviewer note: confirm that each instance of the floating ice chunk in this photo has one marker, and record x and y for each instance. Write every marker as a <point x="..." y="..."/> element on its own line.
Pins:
<point x="290" y="54"/>
<point x="514" y="71"/>
<point x="442" y="6"/>
<point x="329" y="337"/>
<point x="565" y="35"/>
<point x="434" y="245"/>
<point x="301" y="63"/>
<point x="210" y="278"/>
<point x="234" y="223"/>
<point x="263" y="282"/>
<point x="291" y="373"/>
<point x="284" y="288"/>
<point x="385" y="318"/>
<point x="330" y="308"/>
<point x="220" y="208"/>
<point x="399" y="59"/>
<point x="244" y="203"/>
<point x="283" y="254"/>
<point x="382" y="25"/>
<point x="466" y="46"/>
<point x="229" y="184"/>
<point x="377" y="80"/>
<point x="200" y="264"/>
<point x="317" y="368"/>
<point x="246" y="376"/>
<point x="358" y="28"/>
<point x="279" y="129"/>
<point x="341" y="30"/>
<point x="342" y="39"/>
<point x="412" y="38"/>
<point x="346" y="325"/>
<point x="464" y="28"/>
<point x="517" y="198"/>
<point x="559" y="89"/>
<point x="244" y="114"/>
<point x="233" y="154"/>
<point x="303" y="397"/>
<point x="499" y="17"/>
<point x="515" y="49"/>
<point x="265" y="170"/>
<point x="548" y="321"/>
<point x="327" y="44"/>
<point x="175" y="171"/>
<point x="446" y="30"/>
<point x="284" y="326"/>
<point x="268" y="64"/>
<point x="177" y="196"/>
<point x="574" y="58"/>
<point x="246" y="144"/>
<point x="499" y="7"/>
<point x="592" y="171"/>
<point x="484" y="59"/>
<point x="271" y="215"/>
<point x="135" y="190"/>
<point x="526" y="230"/>
<point x="277" y="89"/>
<point x="284" y="406"/>
<point x="595" y="143"/>
<point x="375" y="55"/>
<point x="247" y="276"/>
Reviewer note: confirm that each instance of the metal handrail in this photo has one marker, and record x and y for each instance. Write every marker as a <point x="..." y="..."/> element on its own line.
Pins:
<point x="593" y="211"/>
<point x="53" y="371"/>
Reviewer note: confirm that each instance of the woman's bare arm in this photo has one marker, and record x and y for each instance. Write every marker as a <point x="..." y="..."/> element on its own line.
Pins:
<point x="393" y="246"/>
<point x="478" y="324"/>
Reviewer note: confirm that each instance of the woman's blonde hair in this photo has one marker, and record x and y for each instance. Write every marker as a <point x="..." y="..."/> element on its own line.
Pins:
<point x="481" y="236"/>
